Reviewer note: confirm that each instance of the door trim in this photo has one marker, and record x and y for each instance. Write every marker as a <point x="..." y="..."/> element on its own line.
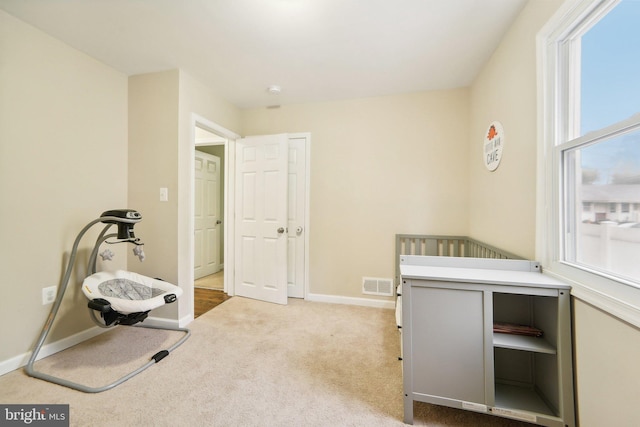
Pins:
<point x="229" y="200"/>
<point x="186" y="212"/>
<point x="307" y="205"/>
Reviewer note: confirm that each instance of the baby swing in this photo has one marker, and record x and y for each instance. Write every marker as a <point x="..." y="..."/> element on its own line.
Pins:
<point x="121" y="298"/>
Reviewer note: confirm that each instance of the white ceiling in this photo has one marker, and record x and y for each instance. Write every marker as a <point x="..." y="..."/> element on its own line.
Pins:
<point x="316" y="50"/>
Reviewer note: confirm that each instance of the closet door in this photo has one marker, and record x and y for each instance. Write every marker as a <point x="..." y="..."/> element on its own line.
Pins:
<point x="297" y="223"/>
<point x="207" y="229"/>
<point x="261" y="218"/>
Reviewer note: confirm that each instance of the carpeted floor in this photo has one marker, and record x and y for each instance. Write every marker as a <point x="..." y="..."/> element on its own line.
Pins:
<point x="247" y="363"/>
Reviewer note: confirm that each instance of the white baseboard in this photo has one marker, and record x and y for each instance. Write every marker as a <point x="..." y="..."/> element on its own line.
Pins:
<point x="162" y="322"/>
<point x="184" y="321"/>
<point x="365" y="302"/>
<point x="21" y="360"/>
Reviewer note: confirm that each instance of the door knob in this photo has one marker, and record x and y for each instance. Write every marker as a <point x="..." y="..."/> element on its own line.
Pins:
<point x="280" y="230"/>
<point x="299" y="230"/>
<point x="218" y="222"/>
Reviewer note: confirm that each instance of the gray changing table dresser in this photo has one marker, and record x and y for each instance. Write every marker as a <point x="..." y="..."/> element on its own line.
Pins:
<point x="451" y="355"/>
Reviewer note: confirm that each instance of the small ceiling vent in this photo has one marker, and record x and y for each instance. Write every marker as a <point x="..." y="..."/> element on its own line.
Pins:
<point x="377" y="286"/>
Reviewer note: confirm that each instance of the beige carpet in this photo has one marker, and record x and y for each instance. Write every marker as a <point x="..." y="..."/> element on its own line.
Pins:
<point x="247" y="363"/>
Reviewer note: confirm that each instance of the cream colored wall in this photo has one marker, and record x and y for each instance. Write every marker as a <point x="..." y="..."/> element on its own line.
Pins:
<point x="153" y="163"/>
<point x="502" y="209"/>
<point x="503" y="203"/>
<point x="607" y="368"/>
<point x="63" y="161"/>
<point x="160" y="154"/>
<point x="379" y="166"/>
<point x="195" y="97"/>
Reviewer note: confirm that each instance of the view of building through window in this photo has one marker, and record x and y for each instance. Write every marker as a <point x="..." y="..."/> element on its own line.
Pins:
<point x="604" y="173"/>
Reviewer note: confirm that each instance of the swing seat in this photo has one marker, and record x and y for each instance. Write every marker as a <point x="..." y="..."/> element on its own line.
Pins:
<point x="127" y="293"/>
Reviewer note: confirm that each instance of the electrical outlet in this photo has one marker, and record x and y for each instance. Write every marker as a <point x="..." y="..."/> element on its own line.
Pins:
<point x="49" y="294"/>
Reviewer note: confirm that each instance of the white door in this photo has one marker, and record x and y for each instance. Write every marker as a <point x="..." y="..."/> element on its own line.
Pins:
<point x="261" y="218"/>
<point x="297" y="217"/>
<point x="207" y="221"/>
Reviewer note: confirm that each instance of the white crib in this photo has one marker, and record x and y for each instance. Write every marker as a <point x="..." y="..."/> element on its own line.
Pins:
<point x="432" y="245"/>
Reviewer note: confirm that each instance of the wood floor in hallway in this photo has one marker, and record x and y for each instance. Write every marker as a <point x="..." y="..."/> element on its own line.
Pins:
<point x="206" y="299"/>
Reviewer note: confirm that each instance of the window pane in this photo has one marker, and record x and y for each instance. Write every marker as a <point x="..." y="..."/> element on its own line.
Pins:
<point x="610" y="68"/>
<point x="602" y="206"/>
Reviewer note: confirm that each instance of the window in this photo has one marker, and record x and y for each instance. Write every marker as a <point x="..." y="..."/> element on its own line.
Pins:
<point x="590" y="150"/>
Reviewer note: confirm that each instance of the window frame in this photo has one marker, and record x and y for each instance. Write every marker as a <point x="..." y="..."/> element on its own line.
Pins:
<point x="557" y="58"/>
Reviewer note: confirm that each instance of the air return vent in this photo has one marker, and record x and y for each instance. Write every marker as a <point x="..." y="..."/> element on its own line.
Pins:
<point x="377" y="286"/>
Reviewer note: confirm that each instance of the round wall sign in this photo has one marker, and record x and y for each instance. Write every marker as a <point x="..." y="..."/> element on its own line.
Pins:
<point x="493" y="144"/>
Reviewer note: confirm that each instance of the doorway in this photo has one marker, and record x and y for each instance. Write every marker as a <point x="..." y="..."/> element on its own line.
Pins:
<point x="186" y="214"/>
<point x="208" y="220"/>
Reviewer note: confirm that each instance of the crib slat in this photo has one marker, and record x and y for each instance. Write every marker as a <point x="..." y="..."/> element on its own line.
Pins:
<point x="444" y="247"/>
<point x="417" y="249"/>
<point x="455" y="248"/>
<point x="431" y="247"/>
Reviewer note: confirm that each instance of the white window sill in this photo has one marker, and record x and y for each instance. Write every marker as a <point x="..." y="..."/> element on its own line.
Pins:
<point x="619" y="300"/>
